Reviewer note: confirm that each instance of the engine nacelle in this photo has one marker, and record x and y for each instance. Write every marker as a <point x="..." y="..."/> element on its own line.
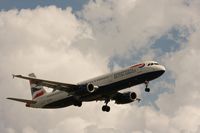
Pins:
<point x="86" y="89"/>
<point x="124" y="98"/>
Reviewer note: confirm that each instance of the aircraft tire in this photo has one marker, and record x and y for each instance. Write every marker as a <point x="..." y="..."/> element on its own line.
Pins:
<point x="147" y="89"/>
<point x="108" y="109"/>
<point x="105" y="108"/>
<point x="78" y="103"/>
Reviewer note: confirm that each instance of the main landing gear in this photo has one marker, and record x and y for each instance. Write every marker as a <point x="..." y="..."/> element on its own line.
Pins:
<point x="77" y="103"/>
<point x="146" y="86"/>
<point x="106" y="108"/>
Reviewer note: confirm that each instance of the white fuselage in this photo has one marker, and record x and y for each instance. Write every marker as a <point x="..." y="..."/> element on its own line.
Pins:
<point x="111" y="82"/>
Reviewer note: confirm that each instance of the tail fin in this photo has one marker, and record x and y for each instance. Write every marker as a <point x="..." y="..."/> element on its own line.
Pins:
<point x="36" y="89"/>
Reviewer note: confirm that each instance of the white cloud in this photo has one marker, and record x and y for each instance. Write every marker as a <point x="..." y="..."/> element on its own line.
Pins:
<point x="75" y="125"/>
<point x="9" y="130"/>
<point x="29" y="130"/>
<point x="59" y="45"/>
<point x="95" y="129"/>
<point x="187" y="119"/>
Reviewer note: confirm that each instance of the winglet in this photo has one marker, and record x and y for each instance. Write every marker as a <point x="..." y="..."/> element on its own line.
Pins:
<point x="13" y="75"/>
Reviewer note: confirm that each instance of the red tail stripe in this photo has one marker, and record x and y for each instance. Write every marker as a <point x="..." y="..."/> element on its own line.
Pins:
<point x="38" y="94"/>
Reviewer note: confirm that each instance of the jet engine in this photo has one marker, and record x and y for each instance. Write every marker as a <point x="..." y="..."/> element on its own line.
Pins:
<point x="124" y="98"/>
<point x="86" y="89"/>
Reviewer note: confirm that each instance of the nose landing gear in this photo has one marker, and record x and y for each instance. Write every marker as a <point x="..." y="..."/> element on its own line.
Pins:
<point x="106" y="108"/>
<point x="146" y="86"/>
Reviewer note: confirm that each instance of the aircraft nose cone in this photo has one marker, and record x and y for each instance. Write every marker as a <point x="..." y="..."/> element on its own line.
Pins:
<point x="162" y="69"/>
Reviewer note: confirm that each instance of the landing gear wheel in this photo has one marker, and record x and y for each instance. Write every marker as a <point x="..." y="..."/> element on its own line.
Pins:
<point x="146" y="86"/>
<point x="106" y="108"/>
<point x="147" y="89"/>
<point x="78" y="103"/>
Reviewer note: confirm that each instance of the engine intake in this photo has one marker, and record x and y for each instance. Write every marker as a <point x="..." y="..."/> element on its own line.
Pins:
<point x="90" y="88"/>
<point x="124" y="98"/>
<point x="86" y="89"/>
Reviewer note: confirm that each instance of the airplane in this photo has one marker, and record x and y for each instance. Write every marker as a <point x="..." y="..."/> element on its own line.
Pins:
<point x="102" y="88"/>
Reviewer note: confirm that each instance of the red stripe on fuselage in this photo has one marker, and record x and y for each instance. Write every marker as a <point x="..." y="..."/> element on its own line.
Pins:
<point x="138" y="65"/>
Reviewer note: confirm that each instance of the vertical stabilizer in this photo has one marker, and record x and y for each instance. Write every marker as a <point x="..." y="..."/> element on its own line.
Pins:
<point x="36" y="89"/>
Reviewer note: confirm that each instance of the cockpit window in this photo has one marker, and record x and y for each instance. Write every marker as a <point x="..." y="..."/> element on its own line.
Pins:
<point x="151" y="64"/>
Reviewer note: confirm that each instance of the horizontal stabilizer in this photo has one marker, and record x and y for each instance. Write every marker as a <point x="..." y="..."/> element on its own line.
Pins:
<point x="22" y="100"/>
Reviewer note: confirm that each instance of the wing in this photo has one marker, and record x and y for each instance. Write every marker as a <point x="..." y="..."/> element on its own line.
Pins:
<point x="22" y="100"/>
<point x="51" y="84"/>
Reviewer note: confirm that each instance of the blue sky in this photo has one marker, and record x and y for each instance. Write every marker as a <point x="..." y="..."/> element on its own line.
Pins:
<point x="24" y="4"/>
